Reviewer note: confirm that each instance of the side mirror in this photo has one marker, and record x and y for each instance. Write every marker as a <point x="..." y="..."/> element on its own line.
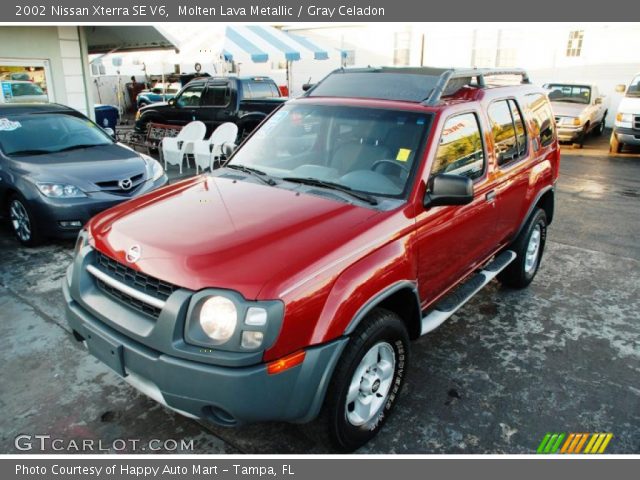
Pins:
<point x="448" y="189"/>
<point x="307" y="86"/>
<point x="109" y="131"/>
<point x="621" y="88"/>
<point x="172" y="102"/>
<point x="598" y="101"/>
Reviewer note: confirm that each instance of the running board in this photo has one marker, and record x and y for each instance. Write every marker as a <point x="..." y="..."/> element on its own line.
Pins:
<point x="463" y="293"/>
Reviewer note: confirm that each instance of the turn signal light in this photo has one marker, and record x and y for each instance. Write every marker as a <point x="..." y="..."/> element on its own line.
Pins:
<point x="285" y="363"/>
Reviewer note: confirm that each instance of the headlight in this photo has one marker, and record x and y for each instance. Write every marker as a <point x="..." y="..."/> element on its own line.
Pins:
<point x="624" y="119"/>
<point x="155" y="167"/>
<point x="218" y="319"/>
<point x="60" y="190"/>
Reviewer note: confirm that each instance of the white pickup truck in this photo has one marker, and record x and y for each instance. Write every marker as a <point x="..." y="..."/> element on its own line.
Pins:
<point x="626" y="130"/>
<point x="579" y="109"/>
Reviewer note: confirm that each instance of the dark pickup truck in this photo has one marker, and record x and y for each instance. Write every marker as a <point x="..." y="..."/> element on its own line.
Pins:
<point x="245" y="101"/>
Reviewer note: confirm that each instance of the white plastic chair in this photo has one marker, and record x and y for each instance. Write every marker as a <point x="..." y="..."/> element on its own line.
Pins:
<point x="175" y="148"/>
<point x="205" y="151"/>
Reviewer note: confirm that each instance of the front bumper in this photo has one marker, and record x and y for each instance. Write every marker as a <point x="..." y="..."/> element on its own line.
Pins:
<point x="628" y="136"/>
<point x="569" y="133"/>
<point x="226" y="395"/>
<point x="50" y="212"/>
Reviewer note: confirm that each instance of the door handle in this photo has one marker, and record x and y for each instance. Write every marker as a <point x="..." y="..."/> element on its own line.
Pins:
<point x="490" y="196"/>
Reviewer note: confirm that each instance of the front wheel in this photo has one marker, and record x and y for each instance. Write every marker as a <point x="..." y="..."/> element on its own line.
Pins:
<point x="615" y="146"/>
<point x="528" y="247"/>
<point x="366" y="383"/>
<point x="23" y="222"/>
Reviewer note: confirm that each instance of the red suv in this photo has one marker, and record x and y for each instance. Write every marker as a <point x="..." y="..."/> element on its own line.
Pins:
<point x="292" y="279"/>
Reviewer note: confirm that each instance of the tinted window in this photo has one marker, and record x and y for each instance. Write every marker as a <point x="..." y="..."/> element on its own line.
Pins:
<point x="190" y="97"/>
<point x="21" y="89"/>
<point x="460" y="151"/>
<point x="217" y="95"/>
<point x="508" y="131"/>
<point x="542" y="118"/>
<point x="262" y="90"/>
<point x="569" y="93"/>
<point x="48" y="132"/>
<point x="634" y="88"/>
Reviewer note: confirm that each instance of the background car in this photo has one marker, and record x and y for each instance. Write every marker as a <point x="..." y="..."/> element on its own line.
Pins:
<point x="626" y="130"/>
<point x="579" y="110"/>
<point x="58" y="169"/>
<point x="19" y="91"/>
<point x="161" y="92"/>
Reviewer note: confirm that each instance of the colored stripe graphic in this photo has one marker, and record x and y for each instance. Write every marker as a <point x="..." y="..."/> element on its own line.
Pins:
<point x="572" y="443"/>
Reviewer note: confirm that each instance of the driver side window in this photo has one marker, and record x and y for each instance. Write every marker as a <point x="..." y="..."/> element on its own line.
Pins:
<point x="190" y="97"/>
<point x="461" y="151"/>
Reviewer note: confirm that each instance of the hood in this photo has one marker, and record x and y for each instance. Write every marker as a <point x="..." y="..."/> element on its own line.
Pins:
<point x="630" y="105"/>
<point x="567" y="109"/>
<point x="234" y="234"/>
<point x="85" y="167"/>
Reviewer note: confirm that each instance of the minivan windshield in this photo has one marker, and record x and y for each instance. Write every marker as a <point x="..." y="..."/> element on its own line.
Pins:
<point x="368" y="150"/>
<point x="634" y="88"/>
<point x="43" y="133"/>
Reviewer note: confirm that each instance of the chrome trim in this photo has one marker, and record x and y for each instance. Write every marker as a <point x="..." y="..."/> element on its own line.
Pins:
<point x="126" y="289"/>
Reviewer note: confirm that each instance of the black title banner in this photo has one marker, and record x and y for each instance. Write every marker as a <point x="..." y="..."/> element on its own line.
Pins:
<point x="284" y="11"/>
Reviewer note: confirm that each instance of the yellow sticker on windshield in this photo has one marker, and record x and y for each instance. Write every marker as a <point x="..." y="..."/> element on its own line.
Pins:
<point x="403" y="154"/>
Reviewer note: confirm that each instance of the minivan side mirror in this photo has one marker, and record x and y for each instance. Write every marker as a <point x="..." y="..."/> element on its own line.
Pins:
<point x="448" y="189"/>
<point x="621" y="88"/>
<point x="307" y="86"/>
<point x="172" y="102"/>
<point x="598" y="101"/>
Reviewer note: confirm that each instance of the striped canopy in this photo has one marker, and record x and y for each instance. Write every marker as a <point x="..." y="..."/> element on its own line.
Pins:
<point x="262" y="43"/>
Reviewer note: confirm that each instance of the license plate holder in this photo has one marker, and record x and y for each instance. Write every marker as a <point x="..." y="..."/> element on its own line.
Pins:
<point x="106" y="350"/>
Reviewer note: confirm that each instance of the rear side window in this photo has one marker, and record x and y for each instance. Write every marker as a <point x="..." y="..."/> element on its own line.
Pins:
<point x="542" y="118"/>
<point x="217" y="95"/>
<point x="460" y="151"/>
<point x="257" y="90"/>
<point x="508" y="131"/>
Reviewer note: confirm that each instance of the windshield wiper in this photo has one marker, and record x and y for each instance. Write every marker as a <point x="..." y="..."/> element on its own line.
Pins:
<point x="79" y="146"/>
<point x="24" y="153"/>
<point x="259" y="174"/>
<point x="334" y="186"/>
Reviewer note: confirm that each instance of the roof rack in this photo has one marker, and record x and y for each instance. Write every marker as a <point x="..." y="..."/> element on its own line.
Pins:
<point x="447" y="83"/>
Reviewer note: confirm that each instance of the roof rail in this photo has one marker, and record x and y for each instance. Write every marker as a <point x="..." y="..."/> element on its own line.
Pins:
<point x="465" y="76"/>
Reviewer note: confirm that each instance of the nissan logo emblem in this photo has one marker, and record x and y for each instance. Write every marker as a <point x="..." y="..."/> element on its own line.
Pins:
<point x="134" y="253"/>
<point x="125" y="184"/>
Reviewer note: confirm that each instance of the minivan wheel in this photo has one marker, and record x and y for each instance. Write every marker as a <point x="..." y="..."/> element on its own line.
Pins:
<point x="22" y="222"/>
<point x="366" y="383"/>
<point x="615" y="146"/>
<point x="528" y="247"/>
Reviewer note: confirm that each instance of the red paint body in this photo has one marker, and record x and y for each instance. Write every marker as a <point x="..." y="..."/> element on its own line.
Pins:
<point x="325" y="259"/>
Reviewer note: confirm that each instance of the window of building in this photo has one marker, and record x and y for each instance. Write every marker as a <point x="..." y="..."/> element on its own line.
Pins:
<point x="22" y="78"/>
<point x="574" y="45"/>
<point x="506" y="56"/>
<point x="460" y="151"/>
<point x="402" y="48"/>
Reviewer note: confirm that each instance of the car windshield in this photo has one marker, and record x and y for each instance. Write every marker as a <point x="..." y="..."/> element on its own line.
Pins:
<point x="634" y="88"/>
<point x="27" y="88"/>
<point x="569" y="93"/>
<point x="42" y="133"/>
<point x="366" y="150"/>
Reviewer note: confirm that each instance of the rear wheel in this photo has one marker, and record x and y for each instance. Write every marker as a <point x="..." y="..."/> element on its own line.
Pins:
<point x="366" y="383"/>
<point x="528" y="247"/>
<point x="23" y="222"/>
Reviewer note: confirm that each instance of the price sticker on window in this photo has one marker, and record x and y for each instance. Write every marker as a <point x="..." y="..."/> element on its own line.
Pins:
<point x="403" y="154"/>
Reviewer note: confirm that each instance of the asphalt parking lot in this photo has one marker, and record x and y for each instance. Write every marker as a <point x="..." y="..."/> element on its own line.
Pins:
<point x="561" y="356"/>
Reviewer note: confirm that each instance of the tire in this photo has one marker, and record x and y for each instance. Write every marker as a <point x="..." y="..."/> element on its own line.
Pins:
<point x="614" y="145"/>
<point x="381" y="338"/>
<point x="600" y="130"/>
<point x="579" y="143"/>
<point x="521" y="272"/>
<point x="23" y="222"/>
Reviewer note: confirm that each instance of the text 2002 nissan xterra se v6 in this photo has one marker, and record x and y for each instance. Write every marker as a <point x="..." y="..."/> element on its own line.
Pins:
<point x="291" y="280"/>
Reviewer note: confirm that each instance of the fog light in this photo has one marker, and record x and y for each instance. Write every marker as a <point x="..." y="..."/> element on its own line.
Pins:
<point x="71" y="224"/>
<point x="252" y="339"/>
<point x="256" y="316"/>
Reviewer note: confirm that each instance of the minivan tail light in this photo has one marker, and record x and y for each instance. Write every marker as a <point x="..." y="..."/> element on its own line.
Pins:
<point x="285" y="363"/>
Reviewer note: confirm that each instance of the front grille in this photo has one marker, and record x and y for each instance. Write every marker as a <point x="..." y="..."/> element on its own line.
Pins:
<point x="139" y="281"/>
<point x="636" y="122"/>
<point x="113" y="186"/>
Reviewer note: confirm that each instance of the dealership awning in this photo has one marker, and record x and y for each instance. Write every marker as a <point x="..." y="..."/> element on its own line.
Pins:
<point x="122" y="38"/>
<point x="261" y="43"/>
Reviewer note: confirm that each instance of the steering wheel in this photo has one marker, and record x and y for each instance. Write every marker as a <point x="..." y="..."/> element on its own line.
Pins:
<point x="403" y="168"/>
